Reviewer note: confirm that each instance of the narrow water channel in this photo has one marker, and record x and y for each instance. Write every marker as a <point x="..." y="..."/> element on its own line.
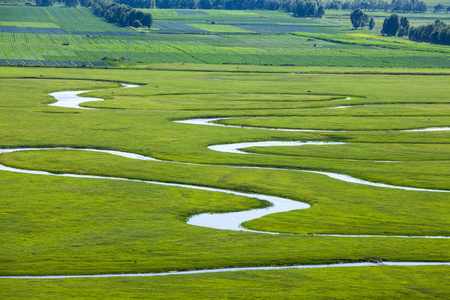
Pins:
<point x="223" y="221"/>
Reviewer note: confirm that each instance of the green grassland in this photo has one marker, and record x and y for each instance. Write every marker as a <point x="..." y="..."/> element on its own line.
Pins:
<point x="70" y="19"/>
<point x="345" y="283"/>
<point x="213" y="66"/>
<point x="57" y="225"/>
<point x="304" y="42"/>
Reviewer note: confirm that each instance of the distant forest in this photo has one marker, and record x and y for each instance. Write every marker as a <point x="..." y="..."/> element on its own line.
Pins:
<point x="291" y="6"/>
<point x="415" y="6"/>
<point x="283" y="5"/>
<point x="124" y="13"/>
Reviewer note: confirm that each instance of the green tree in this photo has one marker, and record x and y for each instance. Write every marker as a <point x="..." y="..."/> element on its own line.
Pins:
<point x="391" y="25"/>
<point x="320" y="11"/>
<point x="147" y="20"/>
<point x="404" y="27"/>
<point x="358" y="18"/>
<point x="439" y="7"/>
<point x="306" y="9"/>
<point x="205" y="4"/>
<point x="371" y="23"/>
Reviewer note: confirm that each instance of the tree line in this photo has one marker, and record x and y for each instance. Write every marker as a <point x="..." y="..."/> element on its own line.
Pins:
<point x="435" y="33"/>
<point x="69" y="3"/>
<point x="310" y="9"/>
<point x="416" y="6"/>
<point x="299" y="8"/>
<point x="292" y="6"/>
<point x="118" y="13"/>
<point x="211" y="4"/>
<point x="394" y="25"/>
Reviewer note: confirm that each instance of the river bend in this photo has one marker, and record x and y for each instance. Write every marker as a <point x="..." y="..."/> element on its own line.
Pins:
<point x="224" y="221"/>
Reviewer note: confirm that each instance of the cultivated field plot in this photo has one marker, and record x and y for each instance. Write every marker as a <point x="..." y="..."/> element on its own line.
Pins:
<point x="185" y="12"/>
<point x="175" y="27"/>
<point x="370" y="172"/>
<point x="204" y="37"/>
<point x="15" y="29"/>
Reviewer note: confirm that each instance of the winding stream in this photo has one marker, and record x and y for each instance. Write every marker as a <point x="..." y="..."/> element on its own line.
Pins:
<point x="224" y="221"/>
<point x="234" y="148"/>
<point x="347" y="265"/>
<point x="213" y="122"/>
<point x="70" y="99"/>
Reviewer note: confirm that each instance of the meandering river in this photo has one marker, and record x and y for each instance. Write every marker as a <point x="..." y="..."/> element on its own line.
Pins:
<point x="223" y="221"/>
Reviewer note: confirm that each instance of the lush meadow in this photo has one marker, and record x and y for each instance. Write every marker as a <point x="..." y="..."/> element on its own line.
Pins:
<point x="59" y="225"/>
<point x="261" y="70"/>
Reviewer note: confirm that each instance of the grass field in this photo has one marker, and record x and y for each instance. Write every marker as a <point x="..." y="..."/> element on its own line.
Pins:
<point x="58" y="36"/>
<point x="57" y="225"/>
<point x="261" y="70"/>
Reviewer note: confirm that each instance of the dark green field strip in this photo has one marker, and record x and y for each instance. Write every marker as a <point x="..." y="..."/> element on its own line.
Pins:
<point x="274" y="28"/>
<point x="65" y="63"/>
<point x="418" y="61"/>
<point x="185" y="12"/>
<point x="82" y="63"/>
<point x="166" y="26"/>
<point x="13" y="29"/>
<point x="33" y="62"/>
<point x="113" y="33"/>
<point x="16" y="62"/>
<point x="62" y="63"/>
<point x="49" y="63"/>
